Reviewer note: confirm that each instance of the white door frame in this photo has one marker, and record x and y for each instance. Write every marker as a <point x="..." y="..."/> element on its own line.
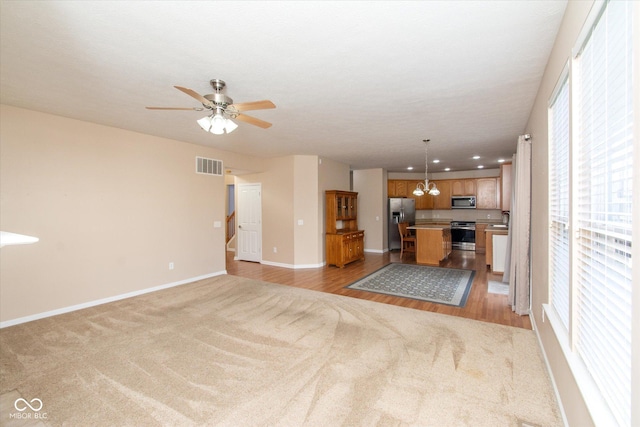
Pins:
<point x="249" y="220"/>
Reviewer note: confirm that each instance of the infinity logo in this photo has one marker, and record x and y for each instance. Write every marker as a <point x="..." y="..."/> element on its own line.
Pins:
<point x="35" y="407"/>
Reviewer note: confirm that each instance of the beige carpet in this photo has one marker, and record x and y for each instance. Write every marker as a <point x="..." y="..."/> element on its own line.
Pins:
<point x="232" y="352"/>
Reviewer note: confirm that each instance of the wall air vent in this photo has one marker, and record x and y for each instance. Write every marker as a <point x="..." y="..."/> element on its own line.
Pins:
<point x="208" y="166"/>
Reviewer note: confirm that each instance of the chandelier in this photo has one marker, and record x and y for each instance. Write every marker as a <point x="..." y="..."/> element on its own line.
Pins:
<point x="426" y="187"/>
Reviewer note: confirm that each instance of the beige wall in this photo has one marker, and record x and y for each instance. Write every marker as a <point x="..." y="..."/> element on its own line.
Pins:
<point x="572" y="401"/>
<point x="306" y="210"/>
<point x="371" y="185"/>
<point x="290" y="193"/>
<point x="112" y="209"/>
<point x="277" y="209"/>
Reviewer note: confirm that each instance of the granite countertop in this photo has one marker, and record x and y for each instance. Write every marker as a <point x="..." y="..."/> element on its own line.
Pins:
<point x="428" y="227"/>
<point x="497" y="228"/>
<point x="421" y="221"/>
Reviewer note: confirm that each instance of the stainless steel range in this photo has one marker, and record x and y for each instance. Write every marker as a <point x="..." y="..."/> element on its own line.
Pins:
<point x="463" y="235"/>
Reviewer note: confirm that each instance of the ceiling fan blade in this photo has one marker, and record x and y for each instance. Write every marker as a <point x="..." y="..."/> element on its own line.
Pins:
<point x="175" y="108"/>
<point x="255" y="105"/>
<point x="253" y="121"/>
<point x="194" y="94"/>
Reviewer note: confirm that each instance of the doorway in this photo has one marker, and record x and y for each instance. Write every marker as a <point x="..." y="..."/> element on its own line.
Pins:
<point x="249" y="216"/>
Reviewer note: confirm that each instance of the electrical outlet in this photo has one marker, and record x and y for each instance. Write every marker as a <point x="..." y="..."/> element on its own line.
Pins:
<point x="275" y="250"/>
<point x="170" y="266"/>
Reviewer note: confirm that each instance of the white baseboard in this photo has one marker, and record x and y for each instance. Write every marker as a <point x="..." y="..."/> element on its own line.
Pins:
<point x="548" y="366"/>
<point x="76" y="307"/>
<point x="376" y="251"/>
<point x="292" y="266"/>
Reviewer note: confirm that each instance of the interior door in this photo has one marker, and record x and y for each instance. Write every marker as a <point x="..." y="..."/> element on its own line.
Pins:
<point x="249" y="214"/>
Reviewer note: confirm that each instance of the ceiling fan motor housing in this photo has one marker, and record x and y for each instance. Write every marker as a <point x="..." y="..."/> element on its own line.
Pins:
<point x="219" y="99"/>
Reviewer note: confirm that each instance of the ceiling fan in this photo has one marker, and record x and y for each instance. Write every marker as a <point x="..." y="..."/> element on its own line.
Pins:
<point x="222" y="109"/>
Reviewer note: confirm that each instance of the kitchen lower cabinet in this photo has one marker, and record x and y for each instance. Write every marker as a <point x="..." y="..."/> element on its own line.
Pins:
<point x="343" y="248"/>
<point x="433" y="244"/>
<point x="481" y="238"/>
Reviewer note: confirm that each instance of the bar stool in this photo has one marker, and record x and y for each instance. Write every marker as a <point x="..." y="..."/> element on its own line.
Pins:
<point x="407" y="241"/>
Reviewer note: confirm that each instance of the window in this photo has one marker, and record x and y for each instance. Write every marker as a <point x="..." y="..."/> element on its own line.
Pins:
<point x="590" y="186"/>
<point x="604" y="163"/>
<point x="559" y="200"/>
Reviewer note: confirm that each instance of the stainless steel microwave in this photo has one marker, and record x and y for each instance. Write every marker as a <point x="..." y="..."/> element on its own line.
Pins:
<point x="463" y="202"/>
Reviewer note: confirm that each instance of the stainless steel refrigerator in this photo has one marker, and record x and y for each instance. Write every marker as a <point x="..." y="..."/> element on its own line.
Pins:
<point x="400" y="210"/>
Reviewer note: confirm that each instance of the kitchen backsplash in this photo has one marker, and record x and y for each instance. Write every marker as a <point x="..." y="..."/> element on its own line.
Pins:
<point x="461" y="214"/>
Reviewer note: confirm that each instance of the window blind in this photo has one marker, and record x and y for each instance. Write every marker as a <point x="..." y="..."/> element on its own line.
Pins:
<point x="559" y="260"/>
<point x="604" y="200"/>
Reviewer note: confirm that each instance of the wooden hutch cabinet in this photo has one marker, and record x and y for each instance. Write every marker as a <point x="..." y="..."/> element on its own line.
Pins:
<point x="344" y="242"/>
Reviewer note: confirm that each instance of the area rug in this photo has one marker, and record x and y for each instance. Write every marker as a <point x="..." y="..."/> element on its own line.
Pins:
<point x="448" y="286"/>
<point x="498" y="288"/>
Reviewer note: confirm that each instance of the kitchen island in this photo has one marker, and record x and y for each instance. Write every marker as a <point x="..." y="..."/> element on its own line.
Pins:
<point x="433" y="243"/>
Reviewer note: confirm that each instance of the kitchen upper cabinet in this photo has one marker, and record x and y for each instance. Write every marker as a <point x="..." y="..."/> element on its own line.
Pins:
<point x="505" y="187"/>
<point x="391" y="188"/>
<point x="401" y="189"/>
<point x="398" y="188"/>
<point x="424" y="202"/>
<point x="443" y="200"/>
<point x="463" y="187"/>
<point x="487" y="193"/>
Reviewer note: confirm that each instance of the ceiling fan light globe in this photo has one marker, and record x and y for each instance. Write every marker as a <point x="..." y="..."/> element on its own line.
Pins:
<point x="217" y="124"/>
<point x="230" y="126"/>
<point x="205" y="123"/>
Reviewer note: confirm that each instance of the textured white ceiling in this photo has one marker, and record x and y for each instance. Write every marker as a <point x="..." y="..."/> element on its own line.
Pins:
<point x="358" y="82"/>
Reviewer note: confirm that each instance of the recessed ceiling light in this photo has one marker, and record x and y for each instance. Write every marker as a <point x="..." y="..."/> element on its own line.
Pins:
<point x="436" y="161"/>
<point x="480" y="166"/>
<point x="447" y="169"/>
<point x="476" y="157"/>
<point x="500" y="160"/>
<point x="410" y="168"/>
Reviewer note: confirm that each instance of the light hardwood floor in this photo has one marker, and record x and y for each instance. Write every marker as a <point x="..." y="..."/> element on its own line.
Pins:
<point x="481" y="305"/>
